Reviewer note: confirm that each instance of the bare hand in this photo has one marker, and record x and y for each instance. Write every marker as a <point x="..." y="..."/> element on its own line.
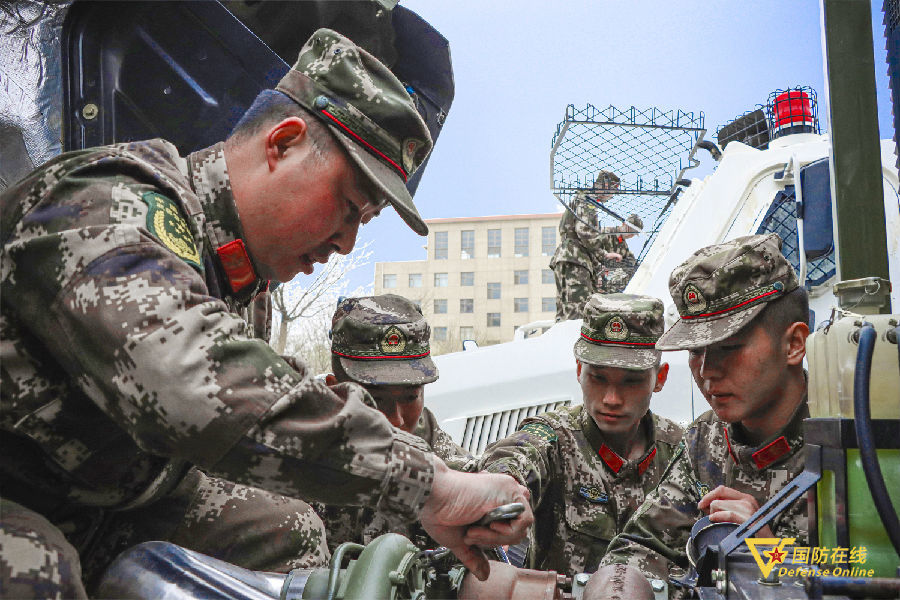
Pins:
<point x="459" y="499"/>
<point x="614" y="256"/>
<point x="727" y="505"/>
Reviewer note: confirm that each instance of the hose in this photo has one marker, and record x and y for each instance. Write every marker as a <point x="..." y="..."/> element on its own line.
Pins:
<point x="865" y="439"/>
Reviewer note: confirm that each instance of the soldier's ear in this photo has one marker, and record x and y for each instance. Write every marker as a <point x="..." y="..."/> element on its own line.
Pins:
<point x="289" y="133"/>
<point x="578" y="370"/>
<point x="662" y="374"/>
<point x="330" y="379"/>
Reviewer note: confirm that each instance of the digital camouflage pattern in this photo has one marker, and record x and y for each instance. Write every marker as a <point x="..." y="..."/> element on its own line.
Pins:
<point x="721" y="288"/>
<point x="242" y="525"/>
<point x="123" y="362"/>
<point x="620" y="330"/>
<point x="577" y="261"/>
<point x="382" y="340"/>
<point x="580" y="501"/>
<point x="36" y="560"/>
<point x="361" y="525"/>
<point x="362" y="101"/>
<point x="616" y="274"/>
<point x="711" y="455"/>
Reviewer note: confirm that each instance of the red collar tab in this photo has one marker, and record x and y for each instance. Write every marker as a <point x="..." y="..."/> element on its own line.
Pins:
<point x="621" y="240"/>
<point x="728" y="441"/>
<point x="642" y="466"/>
<point x="237" y="265"/>
<point x="612" y="460"/>
<point x="768" y="454"/>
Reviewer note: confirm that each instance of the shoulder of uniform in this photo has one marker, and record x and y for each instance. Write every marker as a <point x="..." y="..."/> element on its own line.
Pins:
<point x="667" y="430"/>
<point x="541" y="429"/>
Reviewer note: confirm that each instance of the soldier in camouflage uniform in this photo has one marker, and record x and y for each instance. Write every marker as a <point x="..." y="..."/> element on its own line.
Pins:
<point x="590" y="466"/>
<point x="129" y="383"/>
<point x="744" y="322"/>
<point x="617" y="273"/>
<point x="381" y="343"/>
<point x="578" y="261"/>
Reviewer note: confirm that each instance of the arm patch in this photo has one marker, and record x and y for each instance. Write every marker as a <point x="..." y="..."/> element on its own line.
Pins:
<point x="545" y="432"/>
<point x="165" y="223"/>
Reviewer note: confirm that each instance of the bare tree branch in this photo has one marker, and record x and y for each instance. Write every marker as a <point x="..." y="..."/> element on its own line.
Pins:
<point x="300" y="302"/>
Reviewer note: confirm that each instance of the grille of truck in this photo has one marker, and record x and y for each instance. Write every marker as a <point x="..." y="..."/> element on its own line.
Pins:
<point x="483" y="430"/>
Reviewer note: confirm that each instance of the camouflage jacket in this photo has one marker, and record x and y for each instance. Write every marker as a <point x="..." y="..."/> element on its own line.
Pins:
<point x="579" y="242"/>
<point x="123" y="360"/>
<point x="711" y="454"/>
<point x="615" y="274"/>
<point x="362" y="524"/>
<point x="582" y="493"/>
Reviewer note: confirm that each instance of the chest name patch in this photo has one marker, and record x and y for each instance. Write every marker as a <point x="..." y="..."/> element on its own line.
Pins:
<point x="164" y="221"/>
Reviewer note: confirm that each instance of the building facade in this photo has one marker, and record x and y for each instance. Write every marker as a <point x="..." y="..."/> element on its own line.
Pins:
<point x="482" y="279"/>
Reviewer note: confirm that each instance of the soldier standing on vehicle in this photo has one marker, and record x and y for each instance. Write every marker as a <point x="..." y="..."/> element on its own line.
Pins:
<point x="578" y="260"/>
<point x="744" y="322"/>
<point x="617" y="273"/>
<point x="125" y="365"/>
<point x="589" y="467"/>
<point x="381" y="343"/>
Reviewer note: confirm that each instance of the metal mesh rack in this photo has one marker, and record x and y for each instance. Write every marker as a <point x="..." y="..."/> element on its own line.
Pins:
<point x="648" y="149"/>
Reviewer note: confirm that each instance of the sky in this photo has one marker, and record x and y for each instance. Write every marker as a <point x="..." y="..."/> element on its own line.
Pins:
<point x="518" y="63"/>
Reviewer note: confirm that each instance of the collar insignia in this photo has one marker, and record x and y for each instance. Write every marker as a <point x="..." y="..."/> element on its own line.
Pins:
<point x="394" y="341"/>
<point x="694" y="300"/>
<point x="616" y="329"/>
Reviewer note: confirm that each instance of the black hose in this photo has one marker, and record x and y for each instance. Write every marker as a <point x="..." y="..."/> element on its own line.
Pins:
<point x="865" y="440"/>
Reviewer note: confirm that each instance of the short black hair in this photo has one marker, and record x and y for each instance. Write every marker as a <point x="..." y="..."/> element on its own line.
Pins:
<point x="270" y="107"/>
<point x="780" y="314"/>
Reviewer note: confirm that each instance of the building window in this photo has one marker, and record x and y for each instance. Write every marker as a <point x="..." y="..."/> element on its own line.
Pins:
<point x="520" y="304"/>
<point x="389" y="281"/>
<point x="441" y="280"/>
<point x="415" y="280"/>
<point x="493" y="291"/>
<point x="440" y="307"/>
<point x="466" y="305"/>
<point x="467" y="333"/>
<point x="467" y="244"/>
<point x="548" y="304"/>
<point x="493" y="243"/>
<point x="548" y="241"/>
<point x="440" y="245"/>
<point x="520" y="240"/>
<point x="493" y="319"/>
<point x="547" y="276"/>
<point x="467" y="278"/>
<point x="439" y="334"/>
<point x="520" y="277"/>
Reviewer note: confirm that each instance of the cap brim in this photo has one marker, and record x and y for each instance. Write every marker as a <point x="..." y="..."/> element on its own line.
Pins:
<point x="623" y="357"/>
<point x="413" y="371"/>
<point x="385" y="179"/>
<point x="687" y="335"/>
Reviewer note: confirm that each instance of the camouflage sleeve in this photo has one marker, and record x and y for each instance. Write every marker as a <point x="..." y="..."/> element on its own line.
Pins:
<point x="526" y="455"/>
<point x="135" y="328"/>
<point x="655" y="536"/>
<point x="441" y="443"/>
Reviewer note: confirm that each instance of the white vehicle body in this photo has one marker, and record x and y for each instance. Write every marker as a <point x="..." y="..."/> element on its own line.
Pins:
<point x="483" y="393"/>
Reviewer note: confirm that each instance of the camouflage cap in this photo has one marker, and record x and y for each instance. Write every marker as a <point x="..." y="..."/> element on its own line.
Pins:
<point x="635" y="220"/>
<point x="369" y="111"/>
<point x="721" y="288"/>
<point x="382" y="340"/>
<point x="620" y="330"/>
